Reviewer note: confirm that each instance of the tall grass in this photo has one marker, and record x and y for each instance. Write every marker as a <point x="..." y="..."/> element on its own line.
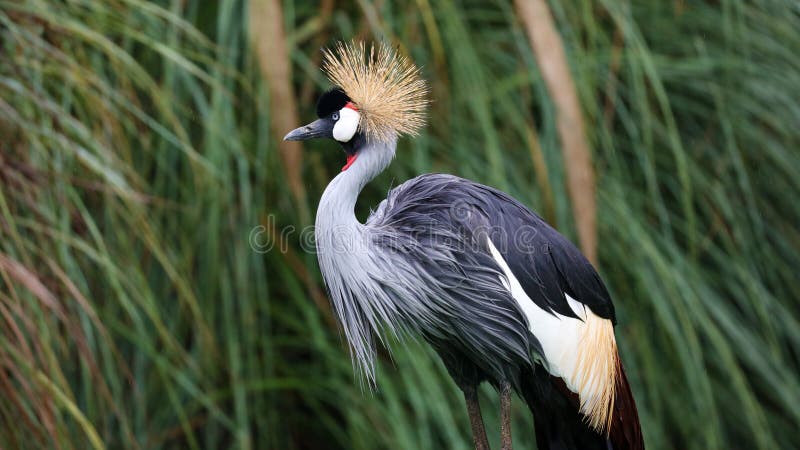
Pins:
<point x="136" y="160"/>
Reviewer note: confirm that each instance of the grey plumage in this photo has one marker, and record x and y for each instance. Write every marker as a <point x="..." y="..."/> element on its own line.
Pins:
<point x="407" y="271"/>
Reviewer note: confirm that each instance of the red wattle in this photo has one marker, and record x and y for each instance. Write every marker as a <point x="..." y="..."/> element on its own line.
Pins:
<point x="350" y="160"/>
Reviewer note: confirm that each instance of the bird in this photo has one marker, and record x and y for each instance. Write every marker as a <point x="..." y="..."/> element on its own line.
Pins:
<point x="501" y="296"/>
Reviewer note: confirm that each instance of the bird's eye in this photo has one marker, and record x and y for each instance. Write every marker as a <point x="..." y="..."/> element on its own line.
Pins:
<point x="335" y="116"/>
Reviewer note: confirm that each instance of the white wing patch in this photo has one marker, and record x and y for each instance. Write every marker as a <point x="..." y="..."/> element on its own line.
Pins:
<point x="581" y="352"/>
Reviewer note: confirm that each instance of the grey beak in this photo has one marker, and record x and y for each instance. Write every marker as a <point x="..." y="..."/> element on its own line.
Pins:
<point x="317" y="129"/>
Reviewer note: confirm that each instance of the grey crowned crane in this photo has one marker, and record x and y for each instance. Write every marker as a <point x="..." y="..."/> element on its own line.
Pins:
<point x="500" y="295"/>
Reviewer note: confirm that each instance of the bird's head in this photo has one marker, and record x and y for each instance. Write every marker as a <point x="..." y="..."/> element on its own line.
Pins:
<point x="338" y="119"/>
<point x="379" y="96"/>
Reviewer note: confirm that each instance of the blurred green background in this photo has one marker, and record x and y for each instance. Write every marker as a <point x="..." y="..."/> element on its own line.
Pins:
<point x="140" y="153"/>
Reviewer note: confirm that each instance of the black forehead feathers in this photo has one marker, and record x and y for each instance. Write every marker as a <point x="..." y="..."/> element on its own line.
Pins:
<point x="331" y="101"/>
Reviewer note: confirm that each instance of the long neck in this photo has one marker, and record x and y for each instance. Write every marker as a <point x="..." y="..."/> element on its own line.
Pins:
<point x="337" y="205"/>
<point x="347" y="259"/>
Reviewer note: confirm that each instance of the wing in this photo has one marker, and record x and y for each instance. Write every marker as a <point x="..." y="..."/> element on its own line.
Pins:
<point x="567" y="307"/>
<point x="549" y="267"/>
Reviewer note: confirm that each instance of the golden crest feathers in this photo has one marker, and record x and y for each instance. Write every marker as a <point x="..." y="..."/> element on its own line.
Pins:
<point x="384" y="85"/>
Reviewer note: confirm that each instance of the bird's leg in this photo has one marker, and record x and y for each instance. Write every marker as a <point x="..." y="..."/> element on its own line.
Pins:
<point x="475" y="418"/>
<point x="505" y="415"/>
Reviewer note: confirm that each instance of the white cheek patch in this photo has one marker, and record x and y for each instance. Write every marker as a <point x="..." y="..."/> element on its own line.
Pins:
<point x="346" y="126"/>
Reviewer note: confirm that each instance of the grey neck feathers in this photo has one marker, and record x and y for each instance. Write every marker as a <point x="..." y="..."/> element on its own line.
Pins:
<point x="338" y="202"/>
<point x="347" y="259"/>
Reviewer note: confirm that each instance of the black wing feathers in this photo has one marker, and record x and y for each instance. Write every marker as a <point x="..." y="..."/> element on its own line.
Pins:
<point x="546" y="264"/>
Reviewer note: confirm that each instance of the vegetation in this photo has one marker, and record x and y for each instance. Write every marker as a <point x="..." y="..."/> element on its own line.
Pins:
<point x="139" y="308"/>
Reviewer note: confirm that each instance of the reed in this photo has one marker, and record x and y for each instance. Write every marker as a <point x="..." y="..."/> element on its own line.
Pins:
<point x="139" y="155"/>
